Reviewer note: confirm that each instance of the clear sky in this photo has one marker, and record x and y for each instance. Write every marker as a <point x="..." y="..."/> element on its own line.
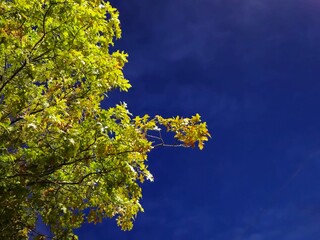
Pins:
<point x="251" y="69"/>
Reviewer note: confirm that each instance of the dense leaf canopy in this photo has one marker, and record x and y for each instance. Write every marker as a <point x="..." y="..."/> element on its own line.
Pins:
<point x="63" y="158"/>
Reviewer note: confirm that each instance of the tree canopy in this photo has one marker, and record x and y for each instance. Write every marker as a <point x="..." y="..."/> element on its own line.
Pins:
<point x="63" y="158"/>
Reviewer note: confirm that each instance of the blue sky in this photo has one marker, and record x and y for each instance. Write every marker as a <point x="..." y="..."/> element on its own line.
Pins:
<point x="251" y="69"/>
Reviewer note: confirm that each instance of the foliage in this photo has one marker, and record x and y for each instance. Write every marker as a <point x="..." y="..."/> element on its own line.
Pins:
<point x="63" y="158"/>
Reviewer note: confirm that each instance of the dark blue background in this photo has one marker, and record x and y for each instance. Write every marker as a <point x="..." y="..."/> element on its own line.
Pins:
<point x="250" y="68"/>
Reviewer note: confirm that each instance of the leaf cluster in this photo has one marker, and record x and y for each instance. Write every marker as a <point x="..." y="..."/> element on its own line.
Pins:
<point x="63" y="158"/>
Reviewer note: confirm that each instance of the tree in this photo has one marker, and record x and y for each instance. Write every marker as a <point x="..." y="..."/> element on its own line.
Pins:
<point x="64" y="159"/>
